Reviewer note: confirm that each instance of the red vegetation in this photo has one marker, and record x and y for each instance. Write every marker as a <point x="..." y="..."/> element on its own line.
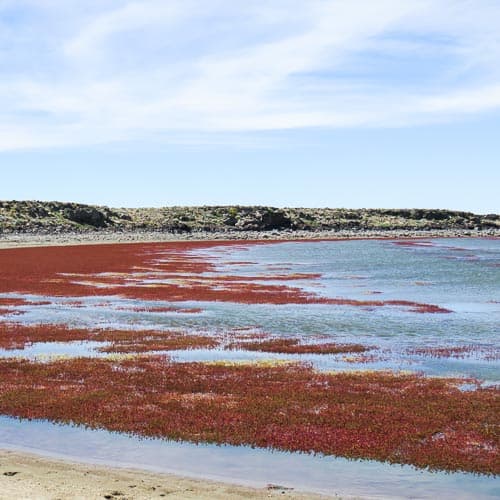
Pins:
<point x="23" y="302"/>
<point x="12" y="312"/>
<point x="270" y="277"/>
<point x="413" y="243"/>
<point x="239" y="263"/>
<point x="365" y="358"/>
<point x="293" y="346"/>
<point x="77" y="303"/>
<point x="412" y="306"/>
<point x="427" y="422"/>
<point x="490" y="353"/>
<point x="160" y="341"/>
<point x="125" y="269"/>
<point x="11" y="301"/>
<point x="18" y="336"/>
<point x="185" y="310"/>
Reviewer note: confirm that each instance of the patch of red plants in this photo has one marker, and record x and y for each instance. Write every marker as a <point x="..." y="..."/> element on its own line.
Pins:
<point x="365" y="358"/>
<point x="84" y="270"/>
<point x="23" y="302"/>
<point x="161" y="341"/>
<point x="272" y="277"/>
<point x="152" y="309"/>
<point x="239" y="263"/>
<point x="18" y="336"/>
<point x="413" y="243"/>
<point x="460" y="352"/>
<point x="11" y="312"/>
<point x="12" y="301"/>
<point x="77" y="303"/>
<point x="408" y="419"/>
<point x="293" y="346"/>
<point x="412" y="306"/>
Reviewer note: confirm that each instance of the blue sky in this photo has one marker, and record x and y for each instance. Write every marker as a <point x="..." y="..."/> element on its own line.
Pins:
<point x="394" y="103"/>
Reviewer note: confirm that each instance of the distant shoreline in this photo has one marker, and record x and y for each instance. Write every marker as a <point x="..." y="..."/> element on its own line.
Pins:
<point x="234" y="221"/>
<point x="104" y="236"/>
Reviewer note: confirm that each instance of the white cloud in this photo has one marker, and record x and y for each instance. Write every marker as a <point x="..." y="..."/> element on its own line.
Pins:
<point x="131" y="16"/>
<point x="466" y="101"/>
<point x="121" y="71"/>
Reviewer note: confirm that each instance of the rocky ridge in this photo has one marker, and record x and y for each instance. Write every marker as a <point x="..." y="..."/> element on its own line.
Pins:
<point x="37" y="217"/>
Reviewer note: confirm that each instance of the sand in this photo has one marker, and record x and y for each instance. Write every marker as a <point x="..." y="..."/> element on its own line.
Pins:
<point x="26" y="476"/>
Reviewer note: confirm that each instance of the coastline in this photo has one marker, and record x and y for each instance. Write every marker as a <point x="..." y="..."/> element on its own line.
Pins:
<point x="29" y="476"/>
<point x="32" y="239"/>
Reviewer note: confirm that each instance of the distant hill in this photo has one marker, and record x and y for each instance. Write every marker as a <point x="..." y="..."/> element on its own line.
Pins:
<point x="38" y="216"/>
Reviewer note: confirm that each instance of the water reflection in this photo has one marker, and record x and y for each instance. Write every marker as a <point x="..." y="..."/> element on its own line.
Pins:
<point x="242" y="465"/>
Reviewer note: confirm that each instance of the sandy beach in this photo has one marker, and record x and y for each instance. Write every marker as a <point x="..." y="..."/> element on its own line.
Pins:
<point x="27" y="476"/>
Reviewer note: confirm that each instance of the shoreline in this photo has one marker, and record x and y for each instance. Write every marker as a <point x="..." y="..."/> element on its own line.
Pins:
<point x="20" y="239"/>
<point x="31" y="475"/>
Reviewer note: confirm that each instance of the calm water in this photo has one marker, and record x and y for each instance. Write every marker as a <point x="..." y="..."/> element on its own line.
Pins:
<point x="462" y="275"/>
<point x="243" y="465"/>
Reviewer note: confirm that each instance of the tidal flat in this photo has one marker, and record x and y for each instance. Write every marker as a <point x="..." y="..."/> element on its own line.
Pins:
<point x="365" y="353"/>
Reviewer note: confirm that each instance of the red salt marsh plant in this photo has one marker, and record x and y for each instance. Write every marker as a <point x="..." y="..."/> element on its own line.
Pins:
<point x="489" y="353"/>
<point x="413" y="243"/>
<point x="365" y="358"/>
<point x="294" y="346"/>
<point x="427" y="422"/>
<point x="84" y="270"/>
<point x="162" y="342"/>
<point x="16" y="301"/>
<point x="4" y="311"/>
<point x="162" y="309"/>
<point x="239" y="263"/>
<point x="271" y="277"/>
<point x="11" y="301"/>
<point x="17" y="336"/>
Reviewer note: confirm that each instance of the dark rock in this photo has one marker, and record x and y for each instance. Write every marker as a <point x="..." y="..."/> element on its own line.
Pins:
<point x="37" y="211"/>
<point x="177" y="227"/>
<point x="264" y="219"/>
<point x="86" y="215"/>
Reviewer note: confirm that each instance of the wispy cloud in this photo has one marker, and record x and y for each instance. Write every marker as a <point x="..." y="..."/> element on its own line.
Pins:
<point x="75" y="73"/>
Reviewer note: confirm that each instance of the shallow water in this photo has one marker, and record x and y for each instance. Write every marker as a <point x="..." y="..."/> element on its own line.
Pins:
<point x="462" y="275"/>
<point x="243" y="465"/>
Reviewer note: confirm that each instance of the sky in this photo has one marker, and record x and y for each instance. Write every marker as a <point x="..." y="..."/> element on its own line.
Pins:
<point x="314" y="103"/>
